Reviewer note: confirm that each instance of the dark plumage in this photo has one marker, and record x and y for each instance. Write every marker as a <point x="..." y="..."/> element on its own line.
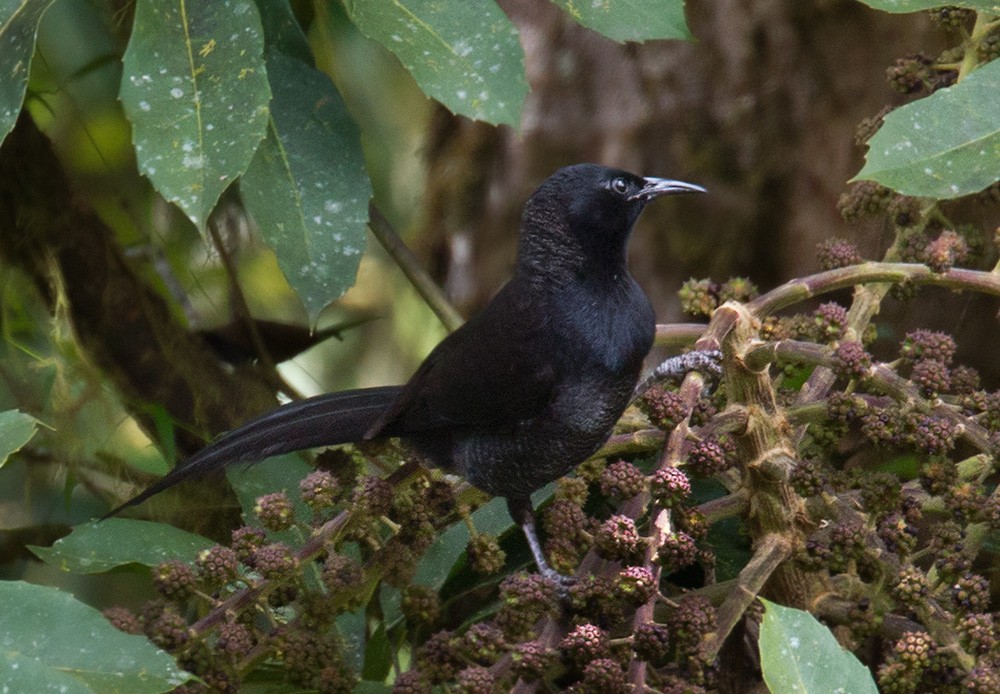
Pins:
<point x="525" y="390"/>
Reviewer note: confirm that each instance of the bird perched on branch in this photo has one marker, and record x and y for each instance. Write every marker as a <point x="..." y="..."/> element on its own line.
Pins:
<point x="524" y="391"/>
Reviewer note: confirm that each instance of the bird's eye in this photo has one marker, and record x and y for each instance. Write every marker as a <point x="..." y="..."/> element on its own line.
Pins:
<point x="619" y="185"/>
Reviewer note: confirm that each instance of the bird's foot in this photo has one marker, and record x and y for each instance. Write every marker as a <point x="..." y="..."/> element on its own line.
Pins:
<point x="521" y="512"/>
<point x="707" y="361"/>
<point x="561" y="582"/>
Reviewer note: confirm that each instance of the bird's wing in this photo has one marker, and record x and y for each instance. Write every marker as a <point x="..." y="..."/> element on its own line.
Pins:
<point x="496" y="368"/>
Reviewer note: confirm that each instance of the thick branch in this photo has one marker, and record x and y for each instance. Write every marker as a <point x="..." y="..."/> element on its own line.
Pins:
<point x="794" y="291"/>
<point x="771" y="551"/>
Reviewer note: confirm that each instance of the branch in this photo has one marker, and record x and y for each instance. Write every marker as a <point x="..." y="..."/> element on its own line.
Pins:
<point x="772" y="550"/>
<point x="408" y="263"/>
<point x="892" y="383"/>
<point x="660" y="525"/>
<point x="679" y="334"/>
<point x="794" y="291"/>
<point x="327" y="533"/>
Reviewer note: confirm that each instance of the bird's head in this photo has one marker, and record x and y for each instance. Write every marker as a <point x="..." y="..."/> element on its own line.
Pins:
<point x="585" y="213"/>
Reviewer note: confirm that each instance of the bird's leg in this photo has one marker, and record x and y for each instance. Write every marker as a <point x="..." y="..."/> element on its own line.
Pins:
<point x="707" y="361"/>
<point x="522" y="513"/>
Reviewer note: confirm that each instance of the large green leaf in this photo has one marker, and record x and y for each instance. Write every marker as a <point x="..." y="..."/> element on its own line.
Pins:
<point x="195" y="90"/>
<point x="49" y="641"/>
<point x="631" y="20"/>
<point x="464" y="53"/>
<point x="16" y="429"/>
<point x="443" y="555"/>
<point x="282" y="30"/>
<point x="378" y="655"/>
<point x="899" y="6"/>
<point x="18" y="29"/>
<point x="944" y="146"/>
<point x="491" y="518"/>
<point x="307" y="186"/>
<point x="798" y="654"/>
<point x="98" y="547"/>
<point x="281" y="473"/>
<point x="439" y="560"/>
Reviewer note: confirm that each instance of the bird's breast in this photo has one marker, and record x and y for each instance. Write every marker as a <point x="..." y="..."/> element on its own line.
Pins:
<point x="611" y="329"/>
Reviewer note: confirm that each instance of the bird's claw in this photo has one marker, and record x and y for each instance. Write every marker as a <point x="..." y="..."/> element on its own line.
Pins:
<point x="707" y="361"/>
<point x="561" y="582"/>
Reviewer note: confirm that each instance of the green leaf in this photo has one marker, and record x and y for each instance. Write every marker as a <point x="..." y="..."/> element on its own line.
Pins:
<point x="282" y="30"/>
<point x="52" y="642"/>
<point x="491" y="518"/>
<point x="353" y="629"/>
<point x="98" y="547"/>
<point x="944" y="146"/>
<point x="307" y="187"/>
<point x="440" y="558"/>
<point x="630" y="20"/>
<point x="16" y="429"/>
<point x="731" y="546"/>
<point x="378" y="655"/>
<point x="798" y="654"/>
<point x="278" y="474"/>
<point x="18" y="28"/>
<point x="900" y="6"/>
<point x="195" y="90"/>
<point x="464" y="53"/>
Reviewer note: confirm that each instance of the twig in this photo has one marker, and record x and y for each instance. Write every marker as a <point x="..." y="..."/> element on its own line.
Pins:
<point x="641" y="441"/>
<point x="660" y="526"/>
<point x="771" y="551"/>
<point x="408" y="263"/>
<point x="679" y="334"/>
<point x="797" y="290"/>
<point x="328" y="532"/>
<point x="241" y="311"/>
<point x="888" y="380"/>
<point x="834" y="609"/>
<point x="725" y="506"/>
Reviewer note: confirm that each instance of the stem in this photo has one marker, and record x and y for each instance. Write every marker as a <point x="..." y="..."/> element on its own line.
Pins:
<point x="725" y="506"/>
<point x="772" y="550"/>
<point x="895" y="385"/>
<point x="980" y="29"/>
<point x="328" y="532"/>
<point x="408" y="263"/>
<point x="797" y="290"/>
<point x="678" y="334"/>
<point x="660" y="525"/>
<point x="633" y="442"/>
<point x="241" y="313"/>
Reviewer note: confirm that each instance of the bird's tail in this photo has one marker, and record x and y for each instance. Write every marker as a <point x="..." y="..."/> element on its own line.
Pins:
<point x="324" y="420"/>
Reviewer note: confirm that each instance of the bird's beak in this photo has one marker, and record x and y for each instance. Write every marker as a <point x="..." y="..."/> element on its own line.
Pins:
<point x="655" y="187"/>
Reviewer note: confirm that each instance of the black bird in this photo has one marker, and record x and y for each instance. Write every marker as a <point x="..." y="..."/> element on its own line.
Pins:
<point x="525" y="390"/>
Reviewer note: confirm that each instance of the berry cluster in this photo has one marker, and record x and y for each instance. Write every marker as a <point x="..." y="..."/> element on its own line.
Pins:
<point x="699" y="297"/>
<point x="833" y="253"/>
<point x="389" y="530"/>
<point x="862" y="200"/>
